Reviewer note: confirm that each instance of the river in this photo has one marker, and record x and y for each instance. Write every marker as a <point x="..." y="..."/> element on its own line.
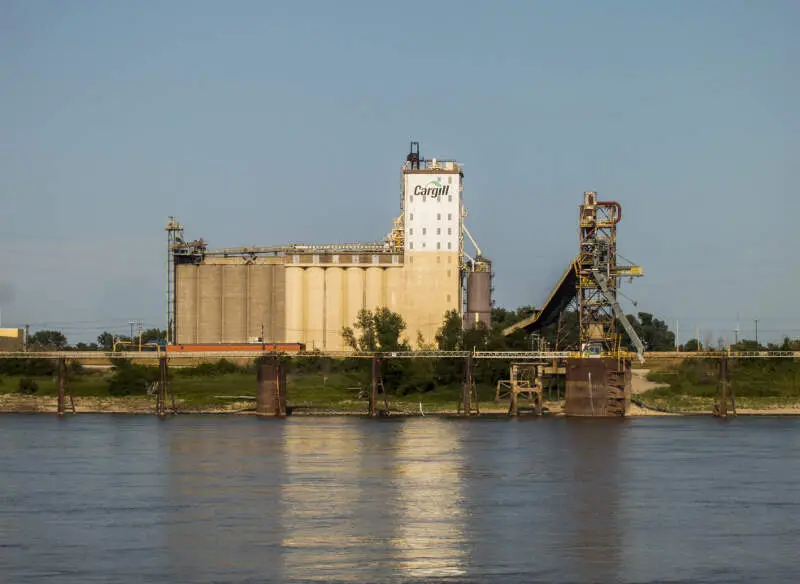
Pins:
<point x="207" y="499"/>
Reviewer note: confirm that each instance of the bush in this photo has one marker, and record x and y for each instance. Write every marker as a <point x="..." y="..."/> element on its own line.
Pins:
<point x="130" y="379"/>
<point x="28" y="386"/>
<point x="221" y="367"/>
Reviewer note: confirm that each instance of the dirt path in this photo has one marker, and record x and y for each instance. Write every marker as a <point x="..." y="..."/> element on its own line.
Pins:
<point x="640" y="383"/>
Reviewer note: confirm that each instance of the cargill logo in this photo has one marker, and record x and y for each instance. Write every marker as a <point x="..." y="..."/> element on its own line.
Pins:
<point x="433" y="189"/>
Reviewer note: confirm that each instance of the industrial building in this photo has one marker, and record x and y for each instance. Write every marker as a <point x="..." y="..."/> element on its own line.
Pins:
<point x="308" y="293"/>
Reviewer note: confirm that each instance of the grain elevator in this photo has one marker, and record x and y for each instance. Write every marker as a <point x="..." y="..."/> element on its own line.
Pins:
<point x="308" y="293"/>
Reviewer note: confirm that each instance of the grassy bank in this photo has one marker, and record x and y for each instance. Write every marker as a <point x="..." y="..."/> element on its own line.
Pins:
<point x="234" y="390"/>
<point x="759" y="384"/>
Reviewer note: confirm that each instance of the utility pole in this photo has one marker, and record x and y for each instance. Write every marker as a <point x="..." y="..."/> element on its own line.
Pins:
<point x="140" y="335"/>
<point x="677" y="335"/>
<point x="756" y="320"/>
<point x="131" y="322"/>
<point x="697" y="331"/>
<point x="736" y="330"/>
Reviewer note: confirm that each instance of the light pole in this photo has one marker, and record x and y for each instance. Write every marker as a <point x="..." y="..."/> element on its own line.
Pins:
<point x="756" y="321"/>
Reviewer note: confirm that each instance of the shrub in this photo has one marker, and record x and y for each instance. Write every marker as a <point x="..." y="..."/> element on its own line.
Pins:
<point x="130" y="379"/>
<point x="28" y="386"/>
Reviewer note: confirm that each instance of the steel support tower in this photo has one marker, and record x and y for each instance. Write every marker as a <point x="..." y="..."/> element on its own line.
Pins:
<point x="598" y="277"/>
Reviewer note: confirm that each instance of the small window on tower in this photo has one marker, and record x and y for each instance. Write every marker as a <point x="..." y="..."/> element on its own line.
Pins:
<point x="449" y="180"/>
<point x="449" y="216"/>
<point x="411" y="217"/>
<point x="449" y="231"/>
<point x="424" y="231"/>
<point x="438" y="216"/>
<point x="448" y="298"/>
<point x="449" y="245"/>
<point x="423" y="244"/>
<point x="438" y="245"/>
<point x="438" y="231"/>
<point x="449" y="198"/>
<point x="411" y="231"/>
<point x="410" y="245"/>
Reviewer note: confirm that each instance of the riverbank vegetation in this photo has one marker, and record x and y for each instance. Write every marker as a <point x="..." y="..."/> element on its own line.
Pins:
<point x="692" y="384"/>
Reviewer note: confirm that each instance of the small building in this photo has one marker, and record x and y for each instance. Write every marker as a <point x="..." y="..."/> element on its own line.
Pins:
<point x="12" y="339"/>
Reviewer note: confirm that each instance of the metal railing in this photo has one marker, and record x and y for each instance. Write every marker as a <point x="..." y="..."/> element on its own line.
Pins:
<point x="507" y="355"/>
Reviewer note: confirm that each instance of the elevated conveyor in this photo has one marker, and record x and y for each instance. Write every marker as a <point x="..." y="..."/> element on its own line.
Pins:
<point x="563" y="293"/>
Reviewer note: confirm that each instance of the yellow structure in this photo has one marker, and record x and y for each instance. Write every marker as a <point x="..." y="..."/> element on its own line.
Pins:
<point x="308" y="293"/>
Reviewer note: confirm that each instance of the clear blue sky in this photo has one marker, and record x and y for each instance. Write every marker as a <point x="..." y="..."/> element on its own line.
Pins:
<point x="272" y="122"/>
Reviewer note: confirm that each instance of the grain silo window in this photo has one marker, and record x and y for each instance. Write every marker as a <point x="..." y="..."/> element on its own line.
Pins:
<point x="449" y="198"/>
<point x="438" y="245"/>
<point x="449" y="216"/>
<point x="424" y="231"/>
<point x="438" y="216"/>
<point x="448" y="298"/>
<point x="411" y="231"/>
<point x="438" y="231"/>
<point x="449" y="245"/>
<point x="411" y="246"/>
<point x="423" y="244"/>
<point x="411" y="217"/>
<point x="449" y="231"/>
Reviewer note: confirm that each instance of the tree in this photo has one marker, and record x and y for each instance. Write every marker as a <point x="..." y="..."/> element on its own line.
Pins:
<point x="48" y="341"/>
<point x="690" y="345"/>
<point x="378" y="331"/>
<point x="153" y="335"/>
<point x="448" y="338"/>
<point x="106" y="341"/>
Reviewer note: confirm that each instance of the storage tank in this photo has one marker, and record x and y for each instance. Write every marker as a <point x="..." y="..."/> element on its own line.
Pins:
<point x="234" y="303"/>
<point x="374" y="288"/>
<point x="394" y="289"/>
<point x="315" y="308"/>
<point x="479" y="294"/>
<point x="209" y="327"/>
<point x="354" y="301"/>
<point x="334" y="308"/>
<point x="186" y="303"/>
<point x="294" y="305"/>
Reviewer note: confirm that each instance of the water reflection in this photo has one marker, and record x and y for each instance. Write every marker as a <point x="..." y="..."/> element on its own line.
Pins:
<point x="429" y="515"/>
<point x="225" y="486"/>
<point x="594" y="542"/>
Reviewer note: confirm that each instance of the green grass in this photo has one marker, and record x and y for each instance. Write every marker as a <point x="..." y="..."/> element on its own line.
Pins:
<point x="340" y="392"/>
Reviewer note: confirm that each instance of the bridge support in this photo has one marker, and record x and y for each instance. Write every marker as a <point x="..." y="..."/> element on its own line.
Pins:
<point x="164" y="388"/>
<point x="724" y="391"/>
<point x="376" y="386"/>
<point x="468" y="402"/>
<point x="62" y="384"/>
<point x="598" y="387"/>
<point x="271" y="393"/>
